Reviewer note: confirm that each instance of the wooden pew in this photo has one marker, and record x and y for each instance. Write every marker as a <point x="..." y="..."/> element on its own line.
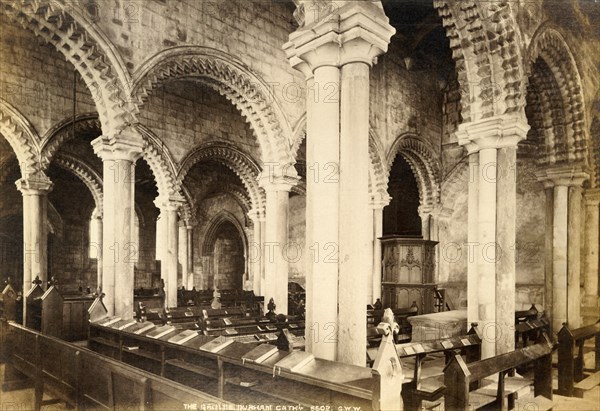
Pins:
<point x="320" y="383"/>
<point x="529" y="326"/>
<point x="32" y="315"/>
<point x="418" y="389"/>
<point x="401" y="316"/>
<point x="571" y="366"/>
<point x="465" y="383"/>
<point x="8" y="303"/>
<point x="75" y="316"/>
<point x="86" y="380"/>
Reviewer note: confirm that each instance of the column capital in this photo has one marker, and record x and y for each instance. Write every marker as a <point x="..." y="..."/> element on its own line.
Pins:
<point x="127" y="145"/>
<point x="34" y="184"/>
<point x="257" y="214"/>
<point x="430" y="209"/>
<point x="355" y="32"/>
<point x="563" y="175"/>
<point x="277" y="183"/>
<point x="379" y="200"/>
<point x="168" y="203"/>
<point x="591" y="197"/>
<point x="493" y="132"/>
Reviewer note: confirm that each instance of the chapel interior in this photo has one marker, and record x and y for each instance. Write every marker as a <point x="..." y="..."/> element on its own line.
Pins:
<point x="387" y="204"/>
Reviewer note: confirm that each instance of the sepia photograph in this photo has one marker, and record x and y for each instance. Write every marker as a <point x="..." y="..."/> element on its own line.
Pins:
<point x="299" y="205"/>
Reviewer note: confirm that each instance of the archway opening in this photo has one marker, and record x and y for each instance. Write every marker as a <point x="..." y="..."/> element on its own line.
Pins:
<point x="228" y="260"/>
<point x="401" y="216"/>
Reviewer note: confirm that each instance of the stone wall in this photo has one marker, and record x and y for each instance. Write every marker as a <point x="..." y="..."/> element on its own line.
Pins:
<point x="530" y="228"/>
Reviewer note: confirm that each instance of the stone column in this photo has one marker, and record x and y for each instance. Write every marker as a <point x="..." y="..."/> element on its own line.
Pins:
<point x="548" y="255"/>
<point x="356" y="216"/>
<point x="275" y="285"/>
<point x="118" y="155"/>
<point x="98" y="242"/>
<point x="182" y="254"/>
<point x="190" y="257"/>
<point x="168" y="265"/>
<point x="255" y="255"/>
<point x="378" y="202"/>
<point x="473" y="238"/>
<point x="492" y="202"/>
<point x="592" y="238"/>
<point x="332" y="54"/>
<point x="35" y="189"/>
<point x="565" y="182"/>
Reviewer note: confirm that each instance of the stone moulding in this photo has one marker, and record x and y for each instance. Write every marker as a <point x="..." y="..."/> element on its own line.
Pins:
<point x="230" y="78"/>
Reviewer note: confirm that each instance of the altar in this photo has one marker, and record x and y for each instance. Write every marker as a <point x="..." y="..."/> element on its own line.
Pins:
<point x="437" y="326"/>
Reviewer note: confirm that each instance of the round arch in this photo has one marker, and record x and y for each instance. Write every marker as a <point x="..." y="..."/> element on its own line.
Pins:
<point x="22" y="137"/>
<point x="423" y="161"/>
<point x="559" y="106"/>
<point x="212" y="234"/>
<point x="85" y="173"/>
<point x="232" y="79"/>
<point x="154" y="152"/>
<point x="484" y="39"/>
<point x="88" y="50"/>
<point x="241" y="164"/>
<point x="62" y="132"/>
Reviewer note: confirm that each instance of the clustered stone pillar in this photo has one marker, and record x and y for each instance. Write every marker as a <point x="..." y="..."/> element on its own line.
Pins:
<point x="564" y="189"/>
<point x="592" y="238"/>
<point x="277" y="188"/>
<point x="335" y="54"/>
<point x="119" y="154"/>
<point x="493" y="198"/>
<point x="35" y="189"/>
<point x="169" y="255"/>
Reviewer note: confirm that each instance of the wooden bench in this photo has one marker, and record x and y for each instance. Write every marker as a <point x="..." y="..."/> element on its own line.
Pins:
<point x="86" y="380"/>
<point x="529" y="325"/>
<point x="572" y="380"/>
<point x="431" y="387"/>
<point x="485" y="383"/>
<point x="8" y="303"/>
<point x="321" y="383"/>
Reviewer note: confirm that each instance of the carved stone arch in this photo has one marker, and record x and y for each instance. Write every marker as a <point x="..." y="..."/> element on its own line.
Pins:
<point x="423" y="160"/>
<point x="85" y="173"/>
<point x="454" y="183"/>
<point x="241" y="164"/>
<point x="377" y="169"/>
<point x="161" y="163"/>
<point x="62" y="132"/>
<point x="299" y="188"/>
<point x="558" y="76"/>
<point x="484" y="40"/>
<point x="595" y="151"/>
<point x="232" y="79"/>
<point x="240" y="196"/>
<point x="298" y="135"/>
<point x="87" y="49"/>
<point x="22" y="137"/>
